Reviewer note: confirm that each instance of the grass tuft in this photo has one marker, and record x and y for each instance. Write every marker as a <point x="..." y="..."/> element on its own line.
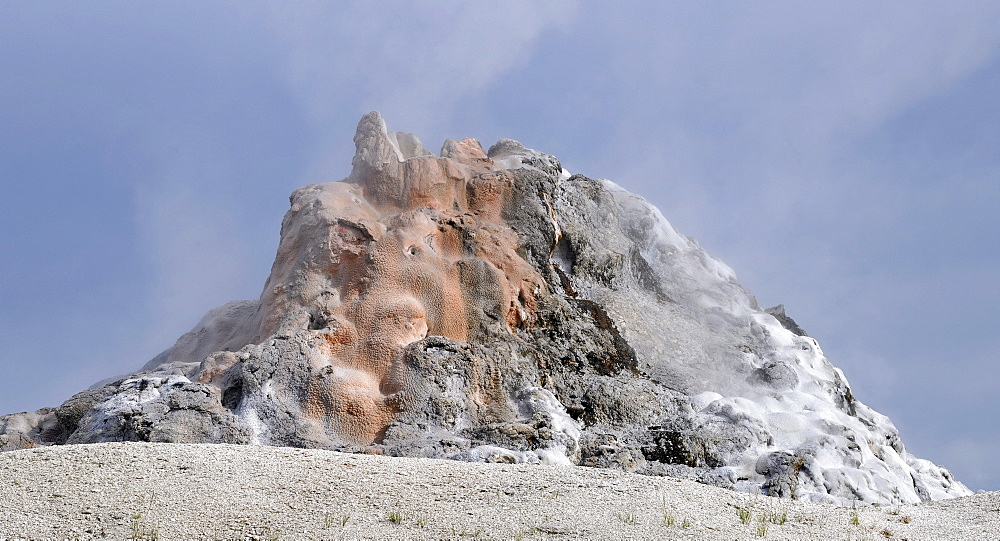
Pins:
<point x="138" y="527"/>
<point x="627" y="518"/>
<point x="421" y="520"/>
<point x="330" y="520"/>
<point x="762" y="527"/>
<point x="396" y="517"/>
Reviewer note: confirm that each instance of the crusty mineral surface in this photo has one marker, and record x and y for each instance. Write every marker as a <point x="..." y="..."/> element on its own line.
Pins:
<point x="488" y="306"/>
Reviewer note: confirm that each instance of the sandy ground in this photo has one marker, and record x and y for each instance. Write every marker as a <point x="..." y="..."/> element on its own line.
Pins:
<point x="174" y="491"/>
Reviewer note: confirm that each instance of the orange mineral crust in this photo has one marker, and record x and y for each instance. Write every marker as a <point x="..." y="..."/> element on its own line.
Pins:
<point x="409" y="245"/>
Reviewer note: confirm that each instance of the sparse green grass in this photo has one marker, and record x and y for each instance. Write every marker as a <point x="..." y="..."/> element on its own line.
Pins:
<point x="762" y="527"/>
<point x="803" y="519"/>
<point x="668" y="518"/>
<point x="744" y="514"/>
<point x="774" y="518"/>
<point x="627" y="518"/>
<point x="668" y="515"/>
<point x="139" y="528"/>
<point x="765" y="517"/>
<point x="855" y="519"/>
<point x="330" y="520"/>
<point x="396" y="517"/>
<point x="465" y="533"/>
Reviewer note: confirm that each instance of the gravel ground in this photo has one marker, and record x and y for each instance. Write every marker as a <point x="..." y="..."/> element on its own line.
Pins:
<point x="175" y="491"/>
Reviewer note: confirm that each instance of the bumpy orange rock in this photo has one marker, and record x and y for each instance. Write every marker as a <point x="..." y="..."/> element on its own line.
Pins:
<point x="411" y="245"/>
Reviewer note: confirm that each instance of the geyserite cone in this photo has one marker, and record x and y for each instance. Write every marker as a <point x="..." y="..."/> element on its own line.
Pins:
<point x="488" y="306"/>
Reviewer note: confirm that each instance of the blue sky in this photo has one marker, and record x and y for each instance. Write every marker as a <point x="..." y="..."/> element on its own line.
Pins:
<point x="842" y="158"/>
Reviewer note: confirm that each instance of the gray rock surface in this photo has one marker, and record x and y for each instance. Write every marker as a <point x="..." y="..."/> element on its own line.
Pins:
<point x="490" y="307"/>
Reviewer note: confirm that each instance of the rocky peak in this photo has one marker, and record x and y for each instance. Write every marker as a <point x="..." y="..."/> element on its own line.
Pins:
<point x="488" y="306"/>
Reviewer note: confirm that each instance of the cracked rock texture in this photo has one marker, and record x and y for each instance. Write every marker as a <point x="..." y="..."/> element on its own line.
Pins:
<point x="488" y="306"/>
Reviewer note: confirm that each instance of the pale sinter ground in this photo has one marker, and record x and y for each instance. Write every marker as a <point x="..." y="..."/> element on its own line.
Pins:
<point x="181" y="491"/>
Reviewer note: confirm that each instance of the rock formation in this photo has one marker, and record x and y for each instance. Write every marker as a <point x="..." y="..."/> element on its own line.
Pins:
<point x="488" y="306"/>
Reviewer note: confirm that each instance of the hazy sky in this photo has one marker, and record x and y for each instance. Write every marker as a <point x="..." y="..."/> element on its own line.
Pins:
<point x="843" y="158"/>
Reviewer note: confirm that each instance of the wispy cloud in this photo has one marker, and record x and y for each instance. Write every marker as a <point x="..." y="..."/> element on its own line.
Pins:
<point x="772" y="94"/>
<point x="411" y="62"/>
<point x="190" y="234"/>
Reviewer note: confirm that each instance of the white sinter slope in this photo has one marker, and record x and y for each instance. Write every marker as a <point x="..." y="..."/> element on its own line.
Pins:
<point x="701" y="332"/>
